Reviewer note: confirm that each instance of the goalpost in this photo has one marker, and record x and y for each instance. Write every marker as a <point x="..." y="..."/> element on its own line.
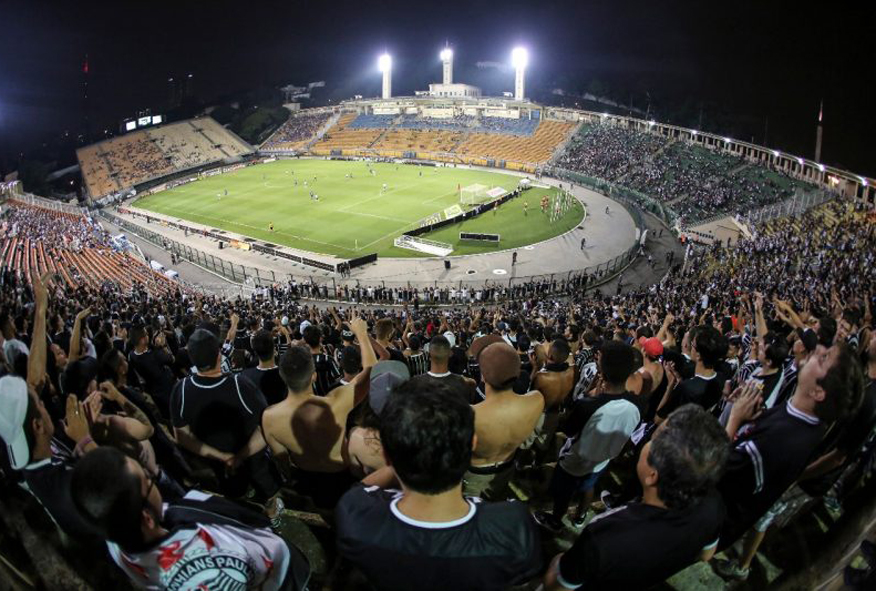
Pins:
<point x="474" y="194"/>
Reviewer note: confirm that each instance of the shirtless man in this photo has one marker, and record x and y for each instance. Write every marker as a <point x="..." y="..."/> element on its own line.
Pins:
<point x="503" y="421"/>
<point x="555" y="381"/>
<point x="308" y="430"/>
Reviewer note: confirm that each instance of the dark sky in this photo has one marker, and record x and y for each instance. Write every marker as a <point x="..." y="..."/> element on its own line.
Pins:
<point x="760" y="59"/>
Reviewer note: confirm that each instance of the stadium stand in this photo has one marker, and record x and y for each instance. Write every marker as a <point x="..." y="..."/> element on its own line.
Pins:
<point x="696" y="182"/>
<point x="104" y="315"/>
<point x="128" y="160"/>
<point x="296" y="132"/>
<point x="537" y="148"/>
<point x="342" y="136"/>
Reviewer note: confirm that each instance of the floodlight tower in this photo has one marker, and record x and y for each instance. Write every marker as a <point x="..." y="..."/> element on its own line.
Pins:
<point x="519" y="59"/>
<point x="818" y="133"/>
<point x="384" y="63"/>
<point x="447" y="60"/>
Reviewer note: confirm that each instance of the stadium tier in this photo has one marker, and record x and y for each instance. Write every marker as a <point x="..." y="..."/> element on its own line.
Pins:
<point x="695" y="182"/>
<point x="123" y="162"/>
<point x="120" y="358"/>
<point x="296" y="132"/>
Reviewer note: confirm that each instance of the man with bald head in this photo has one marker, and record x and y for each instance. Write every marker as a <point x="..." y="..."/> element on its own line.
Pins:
<point x="503" y="421"/>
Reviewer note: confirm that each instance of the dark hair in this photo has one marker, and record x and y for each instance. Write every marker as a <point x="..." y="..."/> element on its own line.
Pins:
<point x="311" y="335"/>
<point x="826" y="331"/>
<point x="351" y="360"/>
<point x="414" y="342"/>
<point x="109" y="365"/>
<point x="775" y="349"/>
<point x="710" y="345"/>
<point x="427" y="432"/>
<point x="109" y="497"/>
<point x="590" y="338"/>
<point x="439" y="348"/>
<point x="843" y="387"/>
<point x="203" y="347"/>
<point x="296" y="368"/>
<point x="574" y="331"/>
<point x="616" y="362"/>
<point x="263" y="345"/>
<point x="523" y="343"/>
<point x="689" y="454"/>
<point x="560" y="350"/>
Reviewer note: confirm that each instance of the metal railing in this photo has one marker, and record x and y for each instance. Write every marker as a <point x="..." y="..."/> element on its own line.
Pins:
<point x="391" y="292"/>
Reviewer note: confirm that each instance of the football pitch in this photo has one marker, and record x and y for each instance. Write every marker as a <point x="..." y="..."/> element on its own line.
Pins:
<point x="354" y="215"/>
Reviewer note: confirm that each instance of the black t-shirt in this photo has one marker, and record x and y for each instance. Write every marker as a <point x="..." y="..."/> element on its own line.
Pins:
<point x="637" y="545"/>
<point x="268" y="381"/>
<point x="49" y="481"/>
<point x="705" y="392"/>
<point x="221" y="412"/>
<point x="153" y="366"/>
<point x="767" y="457"/>
<point x="456" y="382"/>
<point x="494" y="546"/>
<point x="848" y="437"/>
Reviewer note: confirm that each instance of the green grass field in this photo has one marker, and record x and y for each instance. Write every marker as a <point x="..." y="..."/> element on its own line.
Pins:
<point x="353" y="217"/>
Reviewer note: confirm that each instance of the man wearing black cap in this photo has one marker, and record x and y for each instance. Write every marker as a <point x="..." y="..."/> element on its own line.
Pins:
<point x="216" y="416"/>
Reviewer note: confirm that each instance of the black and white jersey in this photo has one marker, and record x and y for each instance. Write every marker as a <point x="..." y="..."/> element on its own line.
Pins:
<point x="327" y="373"/>
<point x="637" y="546"/>
<point x="418" y="363"/>
<point x="767" y="457"/>
<point x="207" y="556"/>
<point x="221" y="412"/>
<point x="494" y="546"/>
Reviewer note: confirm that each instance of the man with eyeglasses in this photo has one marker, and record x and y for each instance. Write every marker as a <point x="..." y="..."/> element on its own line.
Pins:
<point x="199" y="542"/>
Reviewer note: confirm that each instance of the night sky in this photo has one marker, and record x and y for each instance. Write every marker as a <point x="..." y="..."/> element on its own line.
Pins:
<point x="761" y="60"/>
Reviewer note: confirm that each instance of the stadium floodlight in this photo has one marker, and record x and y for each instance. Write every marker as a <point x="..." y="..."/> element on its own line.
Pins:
<point x="384" y="62"/>
<point x="800" y="160"/>
<point x="776" y="153"/>
<point x="728" y="140"/>
<point x="821" y="167"/>
<point x="519" y="59"/>
<point x="651" y="124"/>
<point x="694" y="132"/>
<point x="447" y="63"/>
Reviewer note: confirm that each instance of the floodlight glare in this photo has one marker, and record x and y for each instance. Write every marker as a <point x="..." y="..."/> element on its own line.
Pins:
<point x="384" y="62"/>
<point x="821" y="167"/>
<point x="446" y="54"/>
<point x="519" y="57"/>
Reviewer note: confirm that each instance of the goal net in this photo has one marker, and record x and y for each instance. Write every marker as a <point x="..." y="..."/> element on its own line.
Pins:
<point x="474" y="194"/>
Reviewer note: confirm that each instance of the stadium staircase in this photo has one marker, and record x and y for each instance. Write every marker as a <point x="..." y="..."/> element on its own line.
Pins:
<point x="216" y="145"/>
<point x="561" y="147"/>
<point x="739" y="169"/>
<point x="333" y="120"/>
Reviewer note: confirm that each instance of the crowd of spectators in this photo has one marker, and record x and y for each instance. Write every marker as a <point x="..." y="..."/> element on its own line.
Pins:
<point x="296" y="129"/>
<point x="729" y="397"/>
<point x="608" y="152"/>
<point x="695" y="182"/>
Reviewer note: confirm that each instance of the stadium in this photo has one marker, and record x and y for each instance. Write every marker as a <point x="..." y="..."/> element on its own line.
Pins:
<point x="393" y="342"/>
